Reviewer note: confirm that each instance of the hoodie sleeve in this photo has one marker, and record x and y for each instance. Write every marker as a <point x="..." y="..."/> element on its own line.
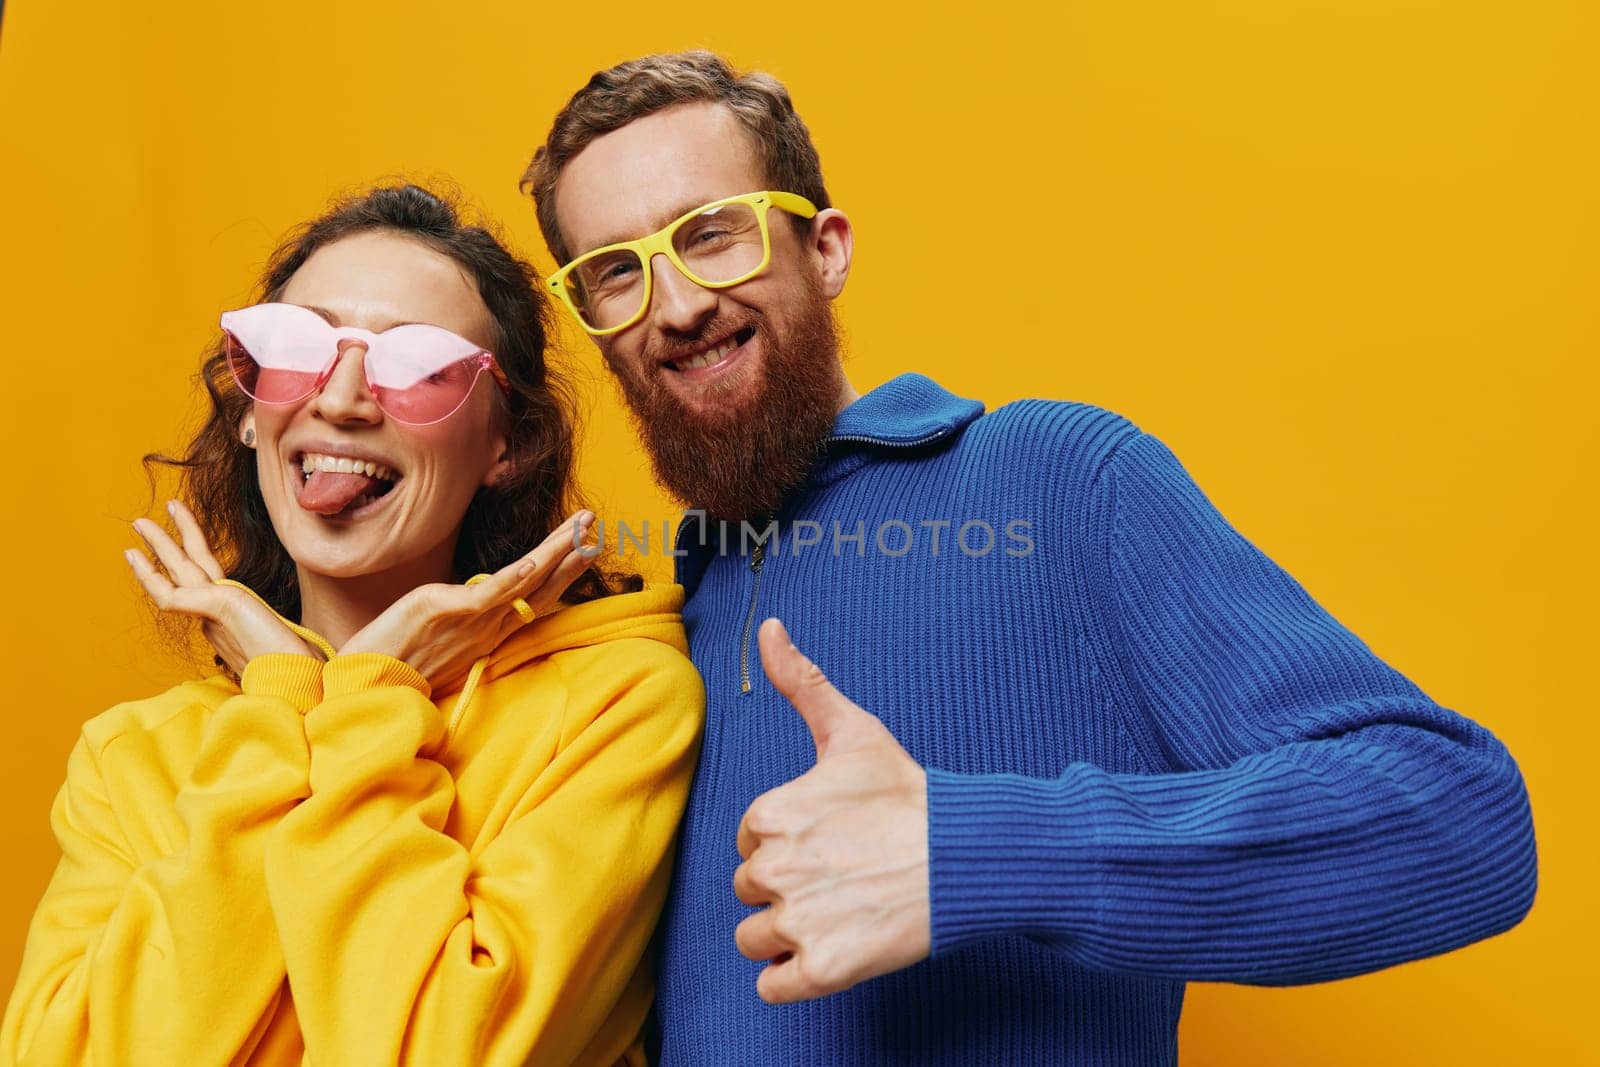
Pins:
<point x="154" y="943"/>
<point x="404" y="947"/>
<point x="1319" y="815"/>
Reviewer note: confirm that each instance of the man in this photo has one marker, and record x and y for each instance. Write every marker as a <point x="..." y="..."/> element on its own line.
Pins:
<point x="1077" y="741"/>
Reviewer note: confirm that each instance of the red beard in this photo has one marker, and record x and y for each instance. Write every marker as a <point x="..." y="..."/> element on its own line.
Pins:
<point x="740" y="460"/>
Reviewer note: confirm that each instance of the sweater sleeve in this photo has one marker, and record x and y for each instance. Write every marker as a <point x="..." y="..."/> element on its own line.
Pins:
<point x="142" y="953"/>
<point x="405" y="948"/>
<point x="1315" y="816"/>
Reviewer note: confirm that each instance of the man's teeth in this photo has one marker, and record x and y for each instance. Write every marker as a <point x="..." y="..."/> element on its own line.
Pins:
<point x="316" y="461"/>
<point x="707" y="358"/>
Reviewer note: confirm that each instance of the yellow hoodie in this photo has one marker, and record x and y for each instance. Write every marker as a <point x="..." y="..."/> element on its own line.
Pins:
<point x="330" y="863"/>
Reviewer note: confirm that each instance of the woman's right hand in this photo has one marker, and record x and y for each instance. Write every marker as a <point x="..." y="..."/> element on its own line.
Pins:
<point x="239" y="626"/>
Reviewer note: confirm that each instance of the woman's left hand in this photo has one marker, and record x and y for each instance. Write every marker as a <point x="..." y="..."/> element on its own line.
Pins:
<point x="440" y="629"/>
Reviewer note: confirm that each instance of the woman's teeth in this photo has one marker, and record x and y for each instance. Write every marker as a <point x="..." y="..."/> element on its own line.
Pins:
<point x="708" y="358"/>
<point x="316" y="461"/>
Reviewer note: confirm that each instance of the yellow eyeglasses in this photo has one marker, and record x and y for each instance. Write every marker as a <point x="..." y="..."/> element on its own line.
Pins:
<point x="720" y="244"/>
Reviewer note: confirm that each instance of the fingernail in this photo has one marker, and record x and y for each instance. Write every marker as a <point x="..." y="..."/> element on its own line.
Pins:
<point x="172" y="507"/>
<point x="524" y="570"/>
<point x="127" y="554"/>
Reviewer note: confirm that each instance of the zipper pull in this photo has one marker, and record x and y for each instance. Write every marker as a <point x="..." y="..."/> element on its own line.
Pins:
<point x="757" y="555"/>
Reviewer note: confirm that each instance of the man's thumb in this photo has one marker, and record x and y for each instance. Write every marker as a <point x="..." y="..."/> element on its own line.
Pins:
<point x="833" y="718"/>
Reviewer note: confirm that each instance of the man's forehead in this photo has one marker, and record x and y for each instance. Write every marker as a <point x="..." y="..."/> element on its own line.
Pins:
<point x="634" y="180"/>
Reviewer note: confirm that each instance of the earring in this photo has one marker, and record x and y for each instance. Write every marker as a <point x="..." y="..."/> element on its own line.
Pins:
<point x="249" y="437"/>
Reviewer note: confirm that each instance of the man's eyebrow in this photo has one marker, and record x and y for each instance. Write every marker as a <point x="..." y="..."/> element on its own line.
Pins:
<point x="333" y="320"/>
<point x="682" y="209"/>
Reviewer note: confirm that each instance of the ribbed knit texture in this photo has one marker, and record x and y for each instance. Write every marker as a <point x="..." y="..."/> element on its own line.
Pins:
<point x="1152" y="757"/>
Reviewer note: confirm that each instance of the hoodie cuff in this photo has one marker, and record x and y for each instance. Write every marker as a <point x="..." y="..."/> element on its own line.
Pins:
<point x="288" y="675"/>
<point x="369" y="670"/>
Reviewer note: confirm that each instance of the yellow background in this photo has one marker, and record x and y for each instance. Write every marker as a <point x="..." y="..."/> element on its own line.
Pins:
<point x="1340" y="255"/>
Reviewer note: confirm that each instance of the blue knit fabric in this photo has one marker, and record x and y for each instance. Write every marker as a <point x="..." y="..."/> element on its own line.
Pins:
<point x="1152" y="757"/>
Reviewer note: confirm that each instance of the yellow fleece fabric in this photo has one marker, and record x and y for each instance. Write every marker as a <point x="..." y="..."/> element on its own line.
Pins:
<point x="328" y="863"/>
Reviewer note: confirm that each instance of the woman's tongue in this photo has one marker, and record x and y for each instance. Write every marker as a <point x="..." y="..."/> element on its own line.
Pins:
<point x="329" y="492"/>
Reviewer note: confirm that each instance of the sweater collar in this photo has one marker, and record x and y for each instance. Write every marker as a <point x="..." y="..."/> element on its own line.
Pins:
<point x="910" y="413"/>
<point x="909" y="409"/>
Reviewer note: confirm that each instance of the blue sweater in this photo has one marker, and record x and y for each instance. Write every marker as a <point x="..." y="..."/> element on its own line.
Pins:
<point x="1152" y="758"/>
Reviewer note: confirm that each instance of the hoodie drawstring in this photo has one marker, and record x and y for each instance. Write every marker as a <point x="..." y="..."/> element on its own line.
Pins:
<point x="310" y="635"/>
<point x="527" y="615"/>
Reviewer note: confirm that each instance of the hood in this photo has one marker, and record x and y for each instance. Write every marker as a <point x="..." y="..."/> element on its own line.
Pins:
<point x="653" y="612"/>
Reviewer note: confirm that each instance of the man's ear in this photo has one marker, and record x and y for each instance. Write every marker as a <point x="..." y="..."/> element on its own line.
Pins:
<point x="247" y="429"/>
<point x="832" y="243"/>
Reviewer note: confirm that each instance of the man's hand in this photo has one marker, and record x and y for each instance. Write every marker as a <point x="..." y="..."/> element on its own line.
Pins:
<point x="839" y="856"/>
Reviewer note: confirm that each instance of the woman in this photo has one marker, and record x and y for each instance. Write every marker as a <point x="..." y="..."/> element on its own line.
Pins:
<point x="418" y="828"/>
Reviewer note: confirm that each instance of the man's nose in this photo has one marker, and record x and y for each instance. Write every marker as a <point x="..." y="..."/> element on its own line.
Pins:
<point x="679" y="304"/>
<point x="344" y="396"/>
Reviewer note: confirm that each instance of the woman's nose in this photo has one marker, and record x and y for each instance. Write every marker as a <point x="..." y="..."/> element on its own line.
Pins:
<point x="344" y="396"/>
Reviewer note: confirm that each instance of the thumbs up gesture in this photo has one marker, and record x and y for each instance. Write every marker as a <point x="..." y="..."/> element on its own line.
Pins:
<point x="838" y="858"/>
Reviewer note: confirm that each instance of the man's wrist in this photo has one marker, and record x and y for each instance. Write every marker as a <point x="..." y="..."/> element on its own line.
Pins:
<point x="1007" y="854"/>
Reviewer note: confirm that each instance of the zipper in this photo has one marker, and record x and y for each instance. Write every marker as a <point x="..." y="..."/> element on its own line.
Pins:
<point x="756" y="557"/>
<point x="858" y="439"/>
<point x="759" y="554"/>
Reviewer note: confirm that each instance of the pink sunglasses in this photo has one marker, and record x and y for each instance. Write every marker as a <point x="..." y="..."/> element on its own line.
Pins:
<point x="418" y="374"/>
